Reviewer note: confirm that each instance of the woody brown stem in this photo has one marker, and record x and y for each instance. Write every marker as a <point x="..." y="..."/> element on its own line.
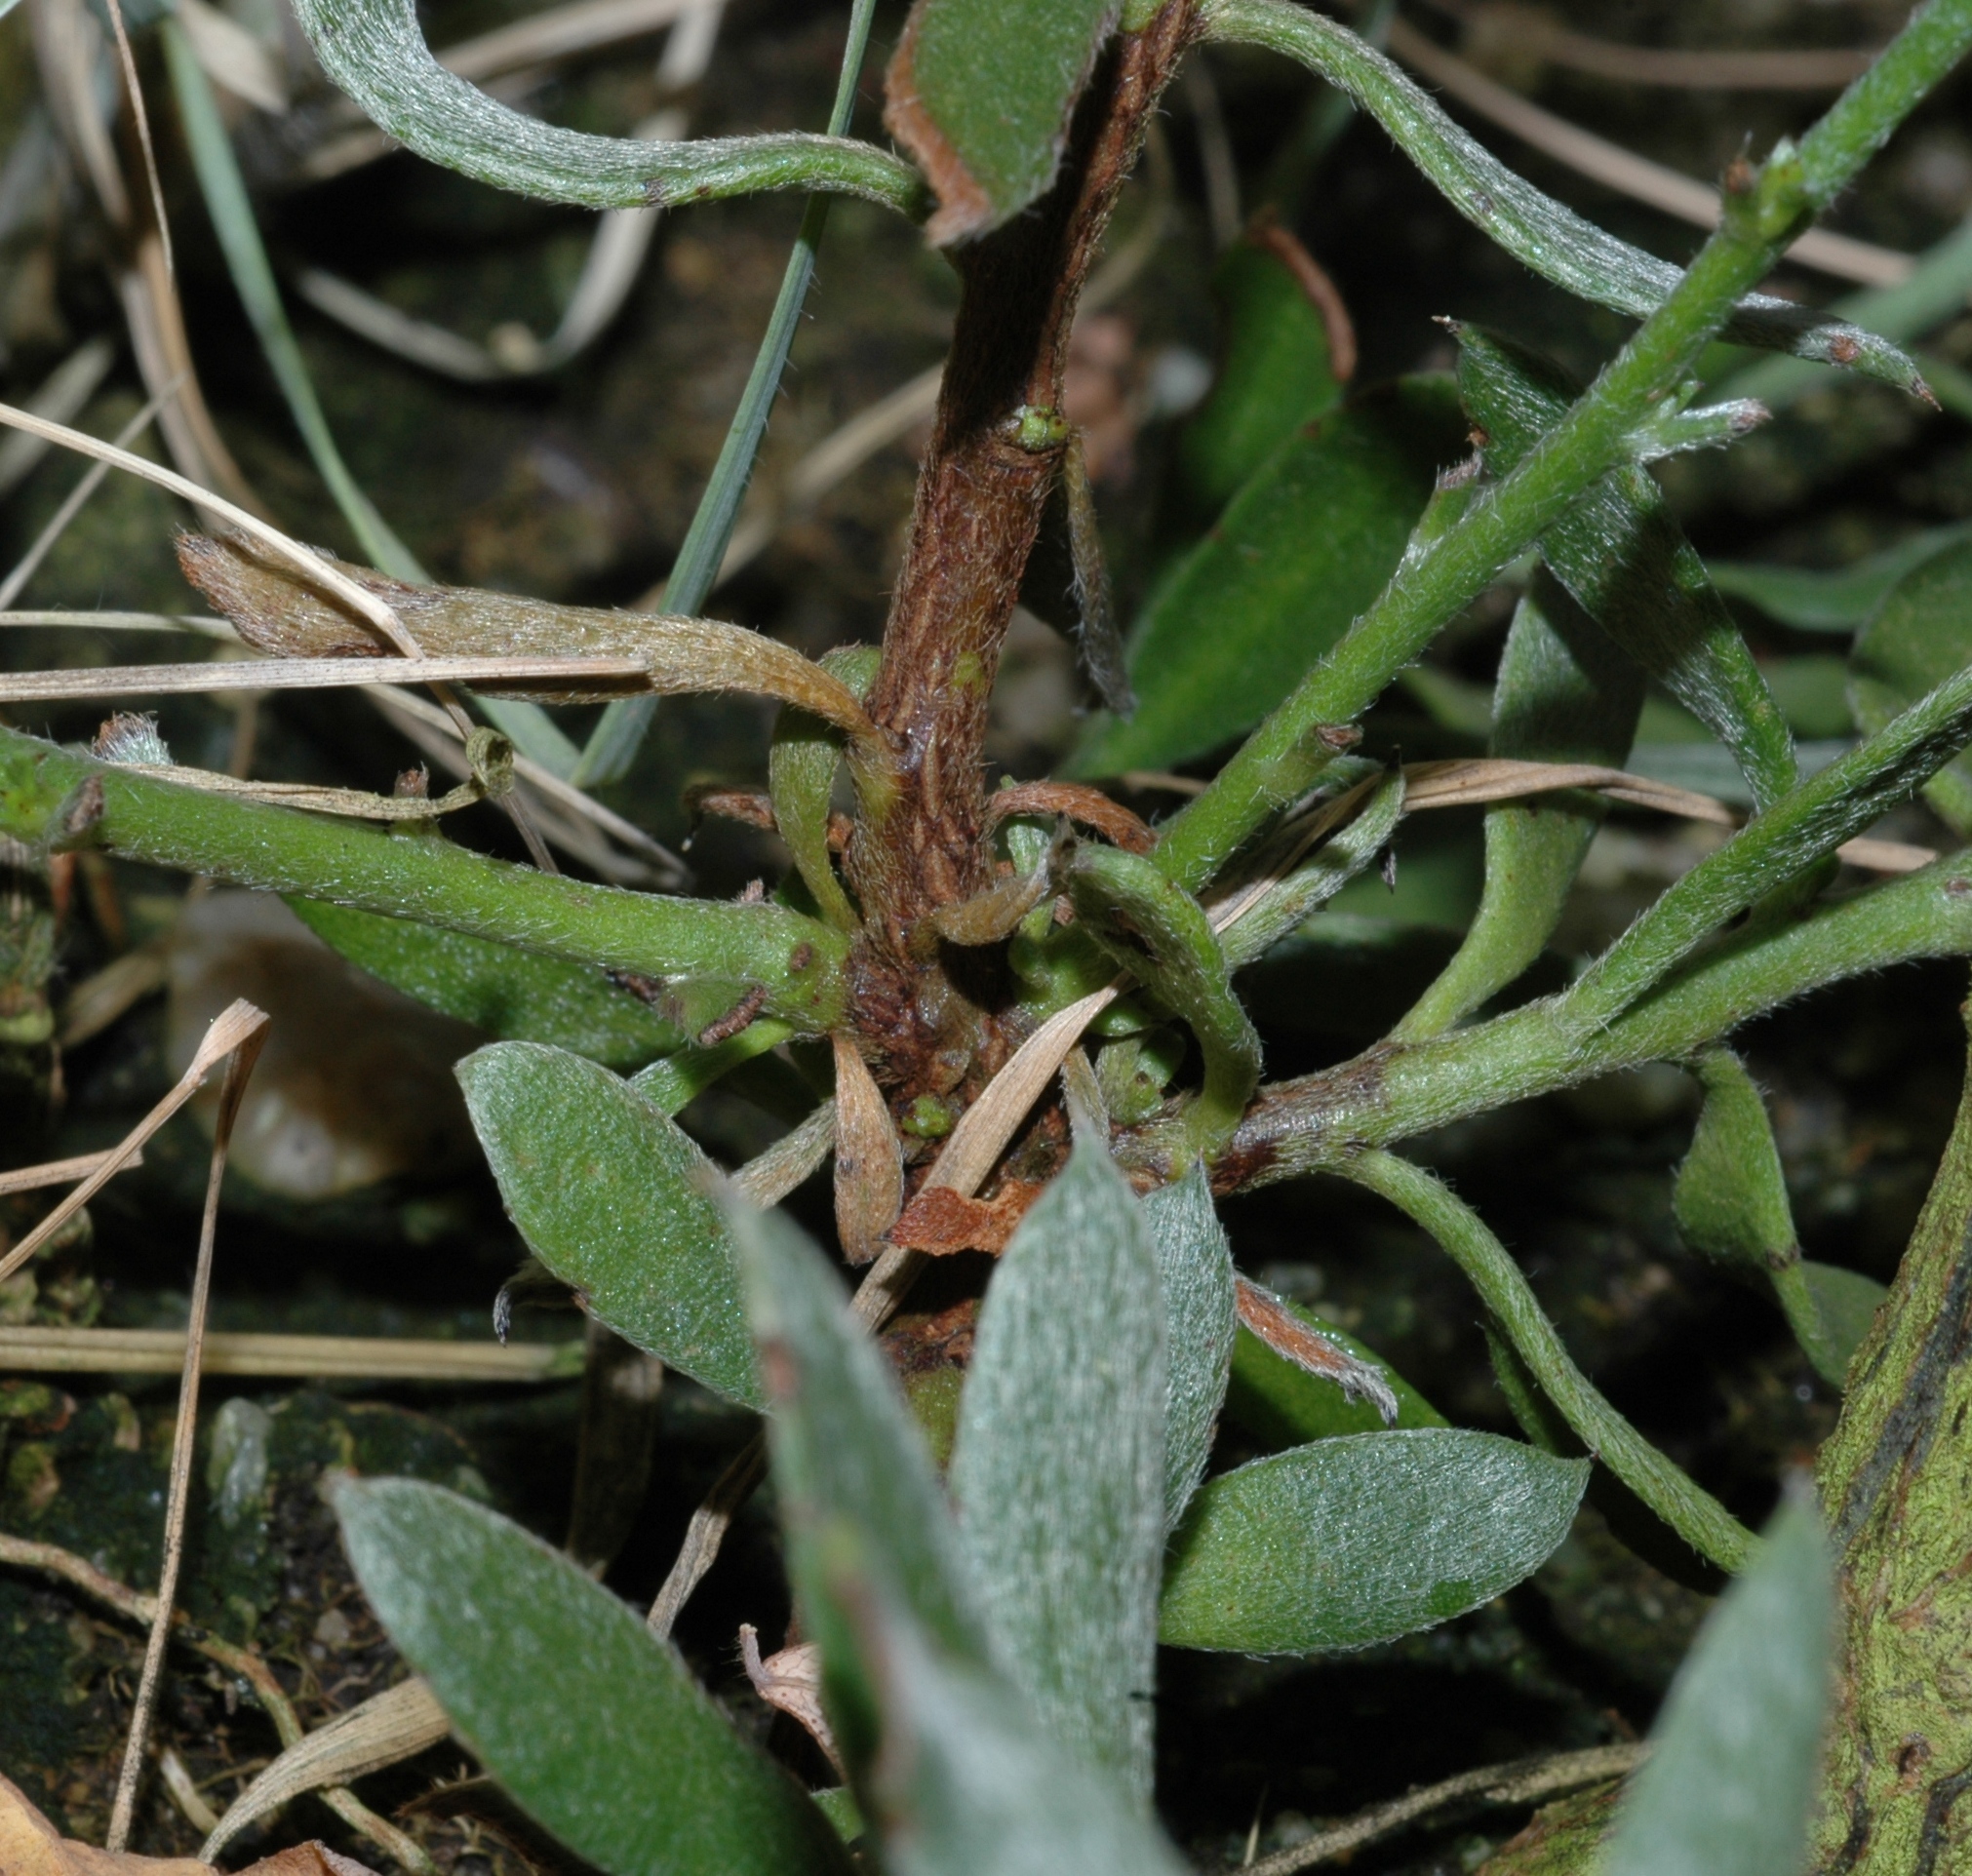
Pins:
<point x="983" y="486"/>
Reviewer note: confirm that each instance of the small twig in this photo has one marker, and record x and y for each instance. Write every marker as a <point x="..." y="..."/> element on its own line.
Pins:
<point x="38" y="1349"/>
<point x="312" y="674"/>
<point x="707" y="1531"/>
<point x="1518" y="1782"/>
<point x="58" y="1172"/>
<point x="249" y="1031"/>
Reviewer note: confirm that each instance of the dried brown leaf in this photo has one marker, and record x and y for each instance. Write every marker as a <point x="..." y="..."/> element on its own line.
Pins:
<point x="869" y="1157"/>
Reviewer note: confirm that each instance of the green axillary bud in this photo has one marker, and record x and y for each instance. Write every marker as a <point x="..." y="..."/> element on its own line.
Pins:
<point x="1038" y="427"/>
<point x="1161" y="934"/>
<point x="926" y="1119"/>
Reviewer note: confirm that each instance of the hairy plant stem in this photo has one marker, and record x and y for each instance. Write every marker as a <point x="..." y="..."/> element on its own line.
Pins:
<point x="1689" y="1509"/>
<point x="994" y="456"/>
<point x="1762" y="211"/>
<point x="54" y="797"/>
<point x="1398" y="1090"/>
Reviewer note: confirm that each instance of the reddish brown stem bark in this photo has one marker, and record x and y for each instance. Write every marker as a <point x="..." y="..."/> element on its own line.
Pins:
<point x="982" y="492"/>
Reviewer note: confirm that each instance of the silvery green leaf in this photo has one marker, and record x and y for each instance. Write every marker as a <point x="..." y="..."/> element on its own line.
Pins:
<point x="1195" y="1265"/>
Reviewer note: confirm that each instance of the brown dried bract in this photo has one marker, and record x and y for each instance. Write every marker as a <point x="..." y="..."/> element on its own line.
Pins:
<point x="1090" y="806"/>
<point x="941" y="1222"/>
<point x="1282" y="1331"/>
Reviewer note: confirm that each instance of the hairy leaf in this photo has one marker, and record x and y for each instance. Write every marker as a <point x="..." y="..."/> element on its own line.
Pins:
<point x="1920" y="636"/>
<point x="1361" y="1539"/>
<point x="1304" y="546"/>
<point x="980" y="93"/>
<point x="1731" y="1196"/>
<point x="800" y="770"/>
<point x="611" y="1196"/>
<point x="951" y="1767"/>
<point x="1627" y="564"/>
<point x="376" y="51"/>
<point x="1540" y="233"/>
<point x="1733" y="1756"/>
<point x="515" y="995"/>
<point x="1195" y="1265"/>
<point x="597" y="1730"/>
<point x="1058" y="1473"/>
<point x="1564" y="695"/>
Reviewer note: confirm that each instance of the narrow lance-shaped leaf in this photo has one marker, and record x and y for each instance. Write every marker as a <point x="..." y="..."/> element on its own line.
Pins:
<point x="1059" y="1472"/>
<point x="1564" y="695"/>
<point x="512" y="995"/>
<point x="1727" y="1788"/>
<point x="980" y="93"/>
<point x="1922" y="633"/>
<point x="1627" y="564"/>
<point x="597" y="1730"/>
<point x="1234" y="624"/>
<point x="1361" y="1539"/>
<point x="275" y="610"/>
<point x="1194" y="1264"/>
<point x="1730" y="1201"/>
<point x="1540" y="233"/>
<point x="375" y="51"/>
<point x="950" y="1765"/>
<point x="611" y="1195"/>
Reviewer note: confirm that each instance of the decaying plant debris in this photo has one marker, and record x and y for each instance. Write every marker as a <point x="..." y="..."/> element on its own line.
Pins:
<point x="1323" y="876"/>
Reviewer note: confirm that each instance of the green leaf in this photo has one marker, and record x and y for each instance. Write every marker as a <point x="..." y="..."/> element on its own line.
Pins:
<point x="847" y="1454"/>
<point x="1730" y="1193"/>
<point x="981" y="91"/>
<point x="611" y="1196"/>
<point x="1058" y="1473"/>
<point x="1358" y="1540"/>
<point x="1627" y="564"/>
<point x="1731" y="1776"/>
<point x="516" y="996"/>
<point x="1920" y="635"/>
<point x="375" y="51"/>
<point x="1845" y="1303"/>
<point x="1281" y="1404"/>
<point x="1840" y="600"/>
<point x="1275" y="376"/>
<point x="1195" y="1265"/>
<point x="1303" y="548"/>
<point x="1540" y="233"/>
<point x="1564" y="695"/>
<point x="599" y="1731"/>
<point x="951" y="1767"/>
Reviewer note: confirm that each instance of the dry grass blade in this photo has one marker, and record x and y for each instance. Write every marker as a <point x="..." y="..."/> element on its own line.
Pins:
<point x="1622" y="170"/>
<point x="140" y="117"/>
<point x="382" y="1730"/>
<point x="49" y="1349"/>
<point x="221" y="628"/>
<point x="1520" y="1781"/>
<point x="58" y="1172"/>
<point x="1466" y="782"/>
<point x="618" y="675"/>
<point x="95" y="1003"/>
<point x="707" y="1532"/>
<point x="869" y="1157"/>
<point x="134" y="1605"/>
<point x="229" y="1029"/>
<point x="769" y="1177"/>
<point x="248" y="1027"/>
